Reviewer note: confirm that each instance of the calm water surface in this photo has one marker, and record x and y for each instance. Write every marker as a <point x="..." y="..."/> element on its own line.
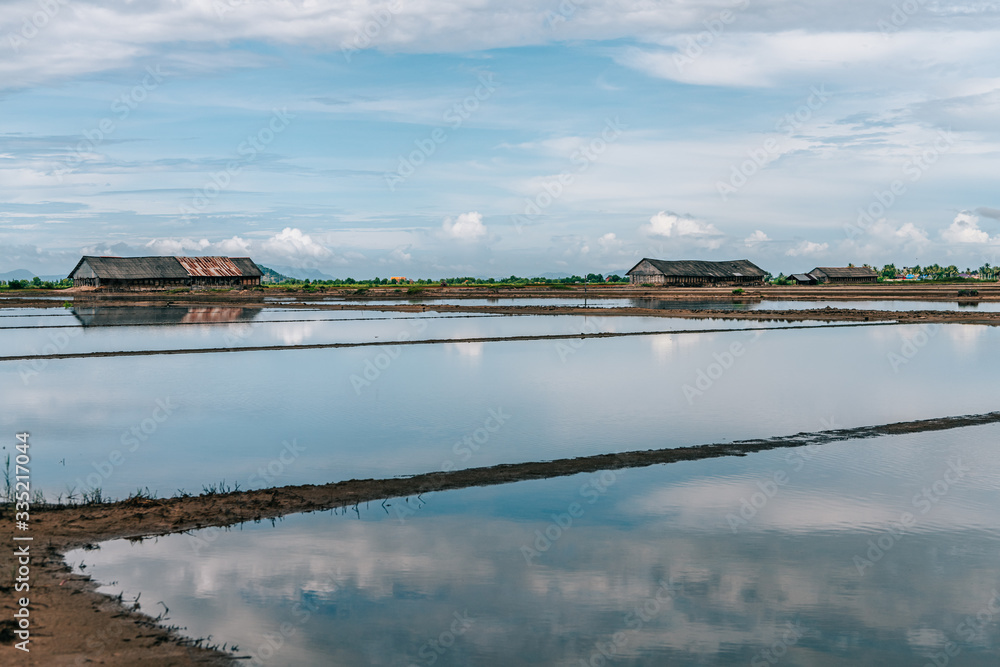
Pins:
<point x="664" y="565"/>
<point x="187" y="421"/>
<point x="130" y="329"/>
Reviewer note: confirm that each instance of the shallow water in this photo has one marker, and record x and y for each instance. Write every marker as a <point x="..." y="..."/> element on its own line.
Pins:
<point x="140" y="328"/>
<point x="188" y="421"/>
<point x="708" y="562"/>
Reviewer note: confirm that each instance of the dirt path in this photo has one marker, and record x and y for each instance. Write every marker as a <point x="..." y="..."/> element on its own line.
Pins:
<point x="73" y="625"/>
<point x="914" y="291"/>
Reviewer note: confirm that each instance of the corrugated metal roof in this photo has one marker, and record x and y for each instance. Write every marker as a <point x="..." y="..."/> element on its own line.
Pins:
<point x="845" y="271"/>
<point x="218" y="267"/>
<point x="705" y="269"/>
<point x="158" y="268"/>
<point x="802" y="277"/>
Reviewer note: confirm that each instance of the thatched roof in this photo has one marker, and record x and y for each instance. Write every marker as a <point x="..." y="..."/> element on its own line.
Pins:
<point x="704" y="269"/>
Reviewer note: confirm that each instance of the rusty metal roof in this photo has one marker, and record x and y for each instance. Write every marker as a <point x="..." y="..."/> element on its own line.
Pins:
<point x="218" y="267"/>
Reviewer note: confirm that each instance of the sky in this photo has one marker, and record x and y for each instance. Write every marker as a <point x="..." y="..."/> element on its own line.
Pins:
<point x="439" y="138"/>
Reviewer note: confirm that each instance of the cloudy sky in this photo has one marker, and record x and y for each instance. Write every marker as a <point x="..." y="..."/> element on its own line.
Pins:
<point x="434" y="138"/>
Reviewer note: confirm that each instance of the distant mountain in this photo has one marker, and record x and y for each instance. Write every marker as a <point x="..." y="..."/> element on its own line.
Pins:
<point x="301" y="274"/>
<point x="553" y="276"/>
<point x="272" y="276"/>
<point x="19" y="274"/>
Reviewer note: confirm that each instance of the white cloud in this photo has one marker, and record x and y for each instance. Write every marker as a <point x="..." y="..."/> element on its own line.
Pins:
<point x="177" y="246"/>
<point x="292" y="245"/>
<point x="234" y="247"/>
<point x="398" y="256"/>
<point x="806" y="248"/>
<point x="609" y="242"/>
<point x="466" y="227"/>
<point x="965" y="229"/>
<point x="755" y="239"/>
<point x="882" y="240"/>
<point x="767" y="58"/>
<point x="671" y="225"/>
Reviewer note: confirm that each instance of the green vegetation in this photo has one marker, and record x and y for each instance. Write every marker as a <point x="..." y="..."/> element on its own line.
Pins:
<point x="273" y="278"/>
<point x="35" y="283"/>
<point x="940" y="274"/>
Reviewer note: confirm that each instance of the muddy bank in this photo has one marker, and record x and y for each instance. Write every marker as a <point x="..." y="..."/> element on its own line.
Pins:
<point x="878" y="291"/>
<point x="74" y="625"/>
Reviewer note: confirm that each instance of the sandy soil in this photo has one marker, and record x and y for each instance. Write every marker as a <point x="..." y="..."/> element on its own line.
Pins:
<point x="73" y="625"/>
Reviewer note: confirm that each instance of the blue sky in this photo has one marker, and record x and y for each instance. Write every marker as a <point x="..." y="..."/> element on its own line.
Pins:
<point x="482" y="137"/>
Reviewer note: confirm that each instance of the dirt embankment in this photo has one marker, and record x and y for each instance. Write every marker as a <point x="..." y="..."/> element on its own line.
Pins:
<point x="73" y="625"/>
<point x="913" y="291"/>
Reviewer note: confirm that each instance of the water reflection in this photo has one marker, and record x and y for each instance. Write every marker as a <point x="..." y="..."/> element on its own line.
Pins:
<point x="379" y="412"/>
<point x="647" y="568"/>
<point x="102" y="316"/>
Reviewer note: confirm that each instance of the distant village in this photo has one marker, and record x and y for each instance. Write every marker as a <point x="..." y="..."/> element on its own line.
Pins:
<point x="169" y="272"/>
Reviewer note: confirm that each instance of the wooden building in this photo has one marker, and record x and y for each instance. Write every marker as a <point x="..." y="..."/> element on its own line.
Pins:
<point x="138" y="273"/>
<point x="844" y="274"/>
<point x="803" y="279"/>
<point x="695" y="272"/>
